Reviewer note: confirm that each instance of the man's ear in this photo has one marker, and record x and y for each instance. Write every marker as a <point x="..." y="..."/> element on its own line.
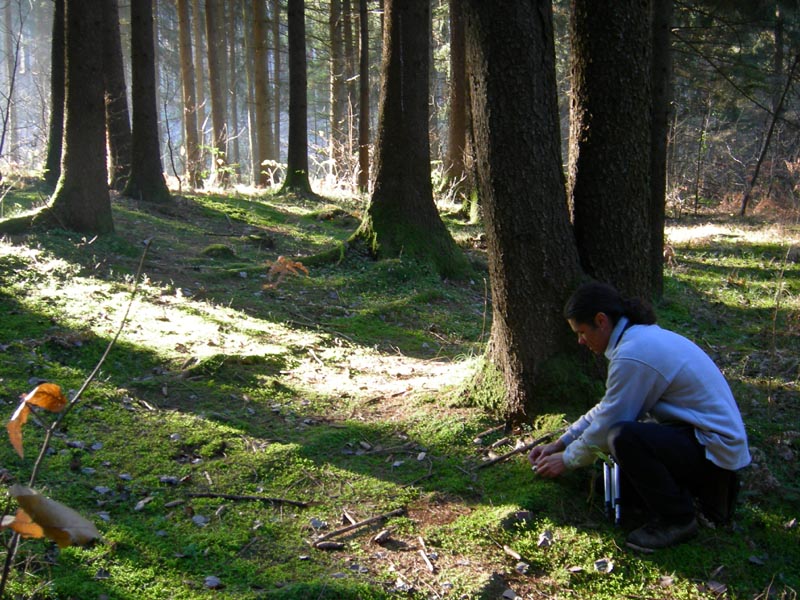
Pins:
<point x="600" y="320"/>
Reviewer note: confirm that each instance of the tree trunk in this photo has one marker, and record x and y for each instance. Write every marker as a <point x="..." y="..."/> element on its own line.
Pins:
<point x="198" y="21"/>
<point x="118" y="120"/>
<point x="662" y="102"/>
<point x="276" y="54"/>
<point x="338" y="88"/>
<point x="147" y="175"/>
<point x="297" y="158"/>
<point x="748" y="190"/>
<point x="610" y="141"/>
<point x="52" y="164"/>
<point x="234" y="156"/>
<point x="81" y="201"/>
<point x="533" y="260"/>
<point x="457" y="126"/>
<point x="402" y="219"/>
<point x="263" y="126"/>
<point x="191" y="140"/>
<point x="219" y="109"/>
<point x="363" y="99"/>
<point x="8" y="142"/>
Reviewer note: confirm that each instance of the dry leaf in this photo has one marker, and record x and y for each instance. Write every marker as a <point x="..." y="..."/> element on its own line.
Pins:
<point x="39" y="516"/>
<point x="45" y="395"/>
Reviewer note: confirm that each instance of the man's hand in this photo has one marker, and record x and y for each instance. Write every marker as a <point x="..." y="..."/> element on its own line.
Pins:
<point x="548" y="460"/>
<point x="551" y="465"/>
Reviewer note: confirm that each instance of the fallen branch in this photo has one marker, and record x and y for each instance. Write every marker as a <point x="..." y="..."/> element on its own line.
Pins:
<point x="246" y="497"/>
<point x="345" y="529"/>
<point x="517" y="450"/>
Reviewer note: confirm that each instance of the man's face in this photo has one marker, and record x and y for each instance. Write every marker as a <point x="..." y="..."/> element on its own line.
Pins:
<point x="595" y="335"/>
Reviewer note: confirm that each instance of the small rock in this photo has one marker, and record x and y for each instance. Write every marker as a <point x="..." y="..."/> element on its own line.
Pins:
<point x="212" y="582"/>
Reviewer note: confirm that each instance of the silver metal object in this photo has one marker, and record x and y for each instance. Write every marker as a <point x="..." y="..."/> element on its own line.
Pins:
<point x="613" y="490"/>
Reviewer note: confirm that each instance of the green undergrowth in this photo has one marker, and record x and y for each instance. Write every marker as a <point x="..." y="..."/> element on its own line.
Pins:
<point x="240" y="415"/>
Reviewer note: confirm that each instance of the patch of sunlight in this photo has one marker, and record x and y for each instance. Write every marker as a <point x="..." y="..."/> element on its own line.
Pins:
<point x="777" y="233"/>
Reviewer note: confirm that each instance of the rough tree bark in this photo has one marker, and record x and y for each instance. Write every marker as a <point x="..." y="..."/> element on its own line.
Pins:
<point x="401" y="219"/>
<point x="533" y="259"/>
<point x="81" y="201"/>
<point x="52" y="163"/>
<point x="610" y="141"/>
<point x="118" y="120"/>
<point x="147" y="175"/>
<point x="192" y="142"/>
<point x="297" y="157"/>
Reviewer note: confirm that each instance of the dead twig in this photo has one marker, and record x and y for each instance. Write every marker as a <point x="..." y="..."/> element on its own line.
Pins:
<point x="517" y="450"/>
<point x="346" y="528"/>
<point x="246" y="497"/>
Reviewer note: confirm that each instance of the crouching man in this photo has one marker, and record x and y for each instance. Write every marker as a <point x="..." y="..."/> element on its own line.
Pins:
<point x="668" y="418"/>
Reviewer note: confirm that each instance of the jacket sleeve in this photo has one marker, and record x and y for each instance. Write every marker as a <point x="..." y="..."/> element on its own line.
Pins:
<point x="632" y="388"/>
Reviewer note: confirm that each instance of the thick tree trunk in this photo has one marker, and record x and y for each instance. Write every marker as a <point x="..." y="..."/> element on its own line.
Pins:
<point x="191" y="140"/>
<point x="402" y="219"/>
<point x="118" y="120"/>
<point x="297" y="159"/>
<point x="52" y="164"/>
<point x="610" y="141"/>
<point x="81" y="201"/>
<point x="533" y="260"/>
<point x="147" y="175"/>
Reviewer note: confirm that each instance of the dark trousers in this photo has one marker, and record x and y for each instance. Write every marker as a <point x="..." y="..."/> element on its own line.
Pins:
<point x="668" y="469"/>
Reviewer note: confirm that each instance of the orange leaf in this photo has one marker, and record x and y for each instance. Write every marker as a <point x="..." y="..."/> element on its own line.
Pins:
<point x="39" y="516"/>
<point x="23" y="525"/>
<point x="47" y="396"/>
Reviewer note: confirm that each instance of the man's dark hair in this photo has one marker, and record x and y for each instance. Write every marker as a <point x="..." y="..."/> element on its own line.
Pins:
<point x="595" y="297"/>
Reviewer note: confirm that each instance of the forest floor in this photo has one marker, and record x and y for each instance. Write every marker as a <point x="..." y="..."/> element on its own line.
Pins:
<point x="335" y="395"/>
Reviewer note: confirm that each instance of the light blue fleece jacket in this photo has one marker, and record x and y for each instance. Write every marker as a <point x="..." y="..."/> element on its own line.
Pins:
<point x="658" y="373"/>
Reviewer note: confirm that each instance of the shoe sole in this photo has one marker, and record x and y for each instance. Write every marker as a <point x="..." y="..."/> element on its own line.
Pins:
<point x="642" y="549"/>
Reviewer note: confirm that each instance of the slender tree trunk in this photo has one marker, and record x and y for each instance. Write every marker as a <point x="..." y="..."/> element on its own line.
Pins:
<point x="533" y="259"/>
<point x="217" y="86"/>
<point x="264" y="142"/>
<point x="610" y="141"/>
<point x="147" y="175"/>
<point x="767" y="137"/>
<point x="338" y="86"/>
<point x="662" y="102"/>
<point x="401" y="218"/>
<point x="192" y="143"/>
<point x="9" y="143"/>
<point x="297" y="160"/>
<point x="457" y="126"/>
<point x="277" y="66"/>
<point x="81" y="201"/>
<point x="52" y="164"/>
<point x="198" y="21"/>
<point x="118" y="121"/>
<point x="233" y="128"/>
<point x="363" y="99"/>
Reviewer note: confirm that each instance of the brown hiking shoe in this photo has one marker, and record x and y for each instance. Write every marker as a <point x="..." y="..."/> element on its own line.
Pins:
<point x="658" y="534"/>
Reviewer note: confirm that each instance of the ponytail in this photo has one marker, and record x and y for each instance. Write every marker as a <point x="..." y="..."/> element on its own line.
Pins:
<point x="595" y="297"/>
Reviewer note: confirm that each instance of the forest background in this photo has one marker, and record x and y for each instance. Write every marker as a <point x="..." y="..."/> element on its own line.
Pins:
<point x="730" y="137"/>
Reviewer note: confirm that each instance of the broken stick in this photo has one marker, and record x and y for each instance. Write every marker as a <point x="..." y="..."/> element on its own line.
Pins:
<point x="346" y="528"/>
<point x="245" y="497"/>
<point x="518" y="449"/>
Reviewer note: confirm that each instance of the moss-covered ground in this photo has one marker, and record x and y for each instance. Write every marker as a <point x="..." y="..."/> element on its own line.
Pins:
<point x="245" y="411"/>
